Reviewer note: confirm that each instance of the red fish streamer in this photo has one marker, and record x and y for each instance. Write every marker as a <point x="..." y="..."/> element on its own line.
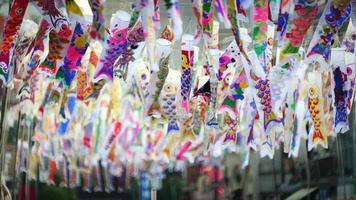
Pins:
<point x="12" y="27"/>
<point x="56" y="51"/>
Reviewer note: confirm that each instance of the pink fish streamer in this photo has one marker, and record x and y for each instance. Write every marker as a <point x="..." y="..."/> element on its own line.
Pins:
<point x="12" y="26"/>
<point x="114" y="46"/>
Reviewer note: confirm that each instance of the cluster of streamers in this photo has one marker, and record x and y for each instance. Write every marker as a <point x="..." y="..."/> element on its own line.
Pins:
<point x="108" y="103"/>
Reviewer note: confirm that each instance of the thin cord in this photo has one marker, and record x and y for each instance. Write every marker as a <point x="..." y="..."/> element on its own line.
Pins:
<point x="307" y="167"/>
<point x="341" y="162"/>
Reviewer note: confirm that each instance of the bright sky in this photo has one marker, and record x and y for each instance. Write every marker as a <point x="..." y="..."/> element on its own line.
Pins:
<point x="84" y="4"/>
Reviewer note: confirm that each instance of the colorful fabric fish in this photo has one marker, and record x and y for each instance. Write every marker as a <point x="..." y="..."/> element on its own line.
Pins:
<point x="334" y="16"/>
<point x="264" y="97"/>
<point x="237" y="93"/>
<point x="198" y="107"/>
<point x="134" y="37"/>
<point x="12" y="26"/>
<point x="301" y="122"/>
<point x="73" y="177"/>
<point x="301" y="20"/>
<point x="203" y="11"/>
<point x="97" y="178"/>
<point x="213" y="107"/>
<point x="155" y="87"/>
<point x="197" y="11"/>
<point x="75" y="52"/>
<point x="57" y="49"/>
<point x="342" y="79"/>
<point x="228" y="59"/>
<point x="285" y="12"/>
<point x="46" y="97"/>
<point x="115" y="131"/>
<point x="259" y="31"/>
<point x="115" y="45"/>
<point x="142" y="77"/>
<point x="186" y="78"/>
<point x="54" y="14"/>
<point x="315" y="106"/>
<point x="168" y="102"/>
